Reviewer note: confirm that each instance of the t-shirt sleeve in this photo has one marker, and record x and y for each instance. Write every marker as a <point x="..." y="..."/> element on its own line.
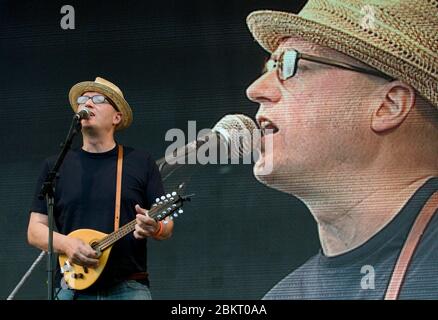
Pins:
<point x="155" y="188"/>
<point x="38" y="205"/>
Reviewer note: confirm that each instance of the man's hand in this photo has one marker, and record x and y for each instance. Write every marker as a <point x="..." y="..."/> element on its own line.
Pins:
<point x="145" y="226"/>
<point x="80" y="253"/>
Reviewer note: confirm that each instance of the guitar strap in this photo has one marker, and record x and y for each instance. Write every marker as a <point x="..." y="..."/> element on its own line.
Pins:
<point x="408" y="250"/>
<point x="118" y="188"/>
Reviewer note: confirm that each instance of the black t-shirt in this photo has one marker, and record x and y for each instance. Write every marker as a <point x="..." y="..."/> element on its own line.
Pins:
<point x="364" y="272"/>
<point x="85" y="199"/>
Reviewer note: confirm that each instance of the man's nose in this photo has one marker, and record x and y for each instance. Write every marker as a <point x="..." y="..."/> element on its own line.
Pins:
<point x="265" y="89"/>
<point x="89" y="103"/>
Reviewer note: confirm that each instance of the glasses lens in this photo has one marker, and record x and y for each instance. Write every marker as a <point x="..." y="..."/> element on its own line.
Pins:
<point x="82" y="99"/>
<point x="98" y="99"/>
<point x="289" y="64"/>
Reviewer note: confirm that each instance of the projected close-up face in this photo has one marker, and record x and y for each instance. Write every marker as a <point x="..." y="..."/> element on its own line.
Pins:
<point x="319" y="118"/>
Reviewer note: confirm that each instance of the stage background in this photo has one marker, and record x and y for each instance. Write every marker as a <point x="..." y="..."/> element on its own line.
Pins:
<point x="175" y="61"/>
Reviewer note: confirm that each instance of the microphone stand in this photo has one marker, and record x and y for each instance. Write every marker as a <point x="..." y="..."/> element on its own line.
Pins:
<point x="48" y="192"/>
<point x="181" y="155"/>
<point x="166" y="169"/>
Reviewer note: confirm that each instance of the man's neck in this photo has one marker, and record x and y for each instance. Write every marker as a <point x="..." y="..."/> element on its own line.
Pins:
<point x="349" y="218"/>
<point x="98" y="144"/>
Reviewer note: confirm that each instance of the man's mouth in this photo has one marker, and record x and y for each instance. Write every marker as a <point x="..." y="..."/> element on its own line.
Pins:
<point x="267" y="126"/>
<point x="91" y="113"/>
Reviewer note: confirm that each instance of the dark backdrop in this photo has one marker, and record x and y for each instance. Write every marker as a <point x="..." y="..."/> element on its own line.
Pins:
<point x="175" y="61"/>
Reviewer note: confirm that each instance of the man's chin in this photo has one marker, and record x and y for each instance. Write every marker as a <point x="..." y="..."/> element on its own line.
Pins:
<point x="272" y="177"/>
<point x="89" y="129"/>
<point x="262" y="172"/>
<point x="274" y="181"/>
<point x="263" y="167"/>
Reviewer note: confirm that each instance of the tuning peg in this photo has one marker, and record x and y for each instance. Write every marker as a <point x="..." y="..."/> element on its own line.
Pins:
<point x="170" y="217"/>
<point x="157" y="200"/>
<point x="168" y="195"/>
<point x="159" y="216"/>
<point x="175" y="215"/>
<point x="174" y="193"/>
<point x="180" y="211"/>
<point x="163" y="197"/>
<point x="172" y="198"/>
<point x="166" y="221"/>
<point x="154" y="205"/>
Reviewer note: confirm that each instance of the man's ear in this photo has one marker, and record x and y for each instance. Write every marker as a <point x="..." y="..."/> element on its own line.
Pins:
<point x="397" y="101"/>
<point x="117" y="118"/>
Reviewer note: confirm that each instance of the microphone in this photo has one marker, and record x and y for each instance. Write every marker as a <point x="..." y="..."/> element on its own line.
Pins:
<point x="236" y="135"/>
<point x="83" y="114"/>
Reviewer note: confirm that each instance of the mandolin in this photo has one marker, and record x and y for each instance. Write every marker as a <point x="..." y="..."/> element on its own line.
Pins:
<point x="80" y="277"/>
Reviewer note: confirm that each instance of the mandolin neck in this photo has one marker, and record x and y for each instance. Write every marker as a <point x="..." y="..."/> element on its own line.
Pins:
<point x="110" y="239"/>
<point x="115" y="236"/>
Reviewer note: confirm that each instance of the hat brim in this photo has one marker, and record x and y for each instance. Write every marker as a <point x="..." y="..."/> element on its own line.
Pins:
<point x="120" y="103"/>
<point x="270" y="28"/>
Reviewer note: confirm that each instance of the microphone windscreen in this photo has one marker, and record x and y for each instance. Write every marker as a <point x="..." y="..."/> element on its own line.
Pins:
<point x="240" y="133"/>
<point x="84" y="113"/>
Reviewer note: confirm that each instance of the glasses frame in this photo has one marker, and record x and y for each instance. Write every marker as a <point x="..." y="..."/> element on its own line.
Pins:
<point x="106" y="100"/>
<point x="298" y="55"/>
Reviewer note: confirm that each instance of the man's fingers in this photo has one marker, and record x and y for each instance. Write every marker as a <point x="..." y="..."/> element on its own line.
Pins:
<point x="93" y="254"/>
<point x="88" y="256"/>
<point x="140" y="210"/>
<point x="145" y="225"/>
<point x="144" y="220"/>
<point x="87" y="250"/>
<point x="83" y="260"/>
<point x="144" y="231"/>
<point x="90" y="262"/>
<point x="140" y="234"/>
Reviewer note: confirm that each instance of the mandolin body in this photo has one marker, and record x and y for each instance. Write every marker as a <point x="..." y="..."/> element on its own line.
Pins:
<point x="78" y="277"/>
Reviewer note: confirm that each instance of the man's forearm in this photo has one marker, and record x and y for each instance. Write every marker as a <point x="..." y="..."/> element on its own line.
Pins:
<point x="38" y="236"/>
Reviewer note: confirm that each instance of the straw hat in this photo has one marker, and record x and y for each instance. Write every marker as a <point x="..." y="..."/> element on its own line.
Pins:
<point x="108" y="89"/>
<point x="397" y="37"/>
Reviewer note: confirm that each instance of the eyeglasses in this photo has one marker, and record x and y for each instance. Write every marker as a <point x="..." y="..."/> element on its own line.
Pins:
<point x="287" y="65"/>
<point x="97" y="99"/>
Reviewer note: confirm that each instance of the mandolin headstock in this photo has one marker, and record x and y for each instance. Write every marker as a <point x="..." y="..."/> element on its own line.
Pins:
<point x="169" y="205"/>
